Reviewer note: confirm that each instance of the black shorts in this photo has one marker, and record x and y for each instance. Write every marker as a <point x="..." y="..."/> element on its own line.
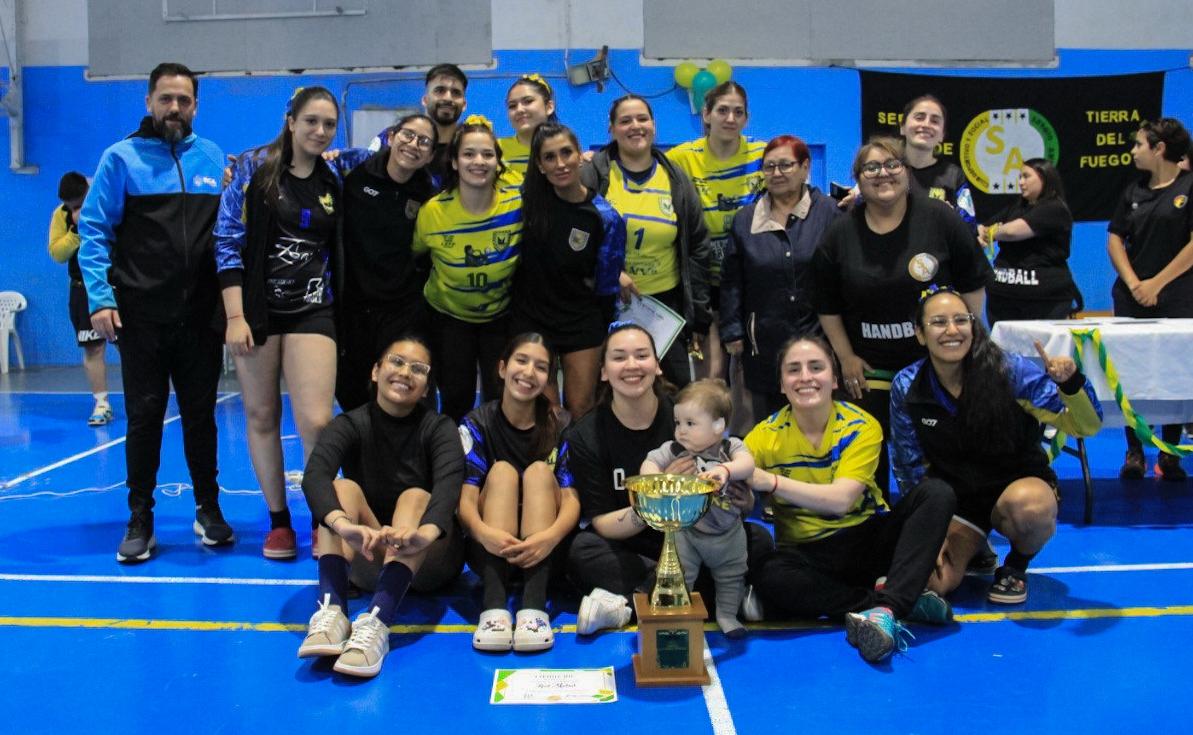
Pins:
<point x="714" y="299"/>
<point x="975" y="506"/>
<point x="80" y="316"/>
<point x="572" y="339"/>
<point x="321" y="321"/>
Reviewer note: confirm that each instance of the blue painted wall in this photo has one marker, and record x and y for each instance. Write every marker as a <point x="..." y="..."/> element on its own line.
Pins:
<point x="71" y="121"/>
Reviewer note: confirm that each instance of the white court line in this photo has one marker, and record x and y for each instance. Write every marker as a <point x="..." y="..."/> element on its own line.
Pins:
<point x="714" y="699"/>
<point x="268" y="582"/>
<point x="94" y="450"/>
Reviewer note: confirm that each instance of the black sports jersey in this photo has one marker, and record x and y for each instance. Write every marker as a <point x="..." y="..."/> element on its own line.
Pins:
<point x="874" y="281"/>
<point x="1155" y="224"/>
<point x="489" y="437"/>
<point x="599" y="453"/>
<point x="1035" y="269"/>
<point x="570" y="280"/>
<point x="944" y="180"/>
<point x="379" y="216"/>
<point x="296" y="270"/>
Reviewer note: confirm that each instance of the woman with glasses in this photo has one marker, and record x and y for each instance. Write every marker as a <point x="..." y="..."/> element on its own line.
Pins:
<point x="1031" y="272"/>
<point x="969" y="415"/>
<point x="277" y="251"/>
<point x="473" y="233"/>
<point x="1152" y="252"/>
<point x="383" y="294"/>
<point x="573" y="256"/>
<point x="667" y="246"/>
<point x="403" y="468"/>
<point x="724" y="166"/>
<point x="871" y="267"/>
<point x="765" y="277"/>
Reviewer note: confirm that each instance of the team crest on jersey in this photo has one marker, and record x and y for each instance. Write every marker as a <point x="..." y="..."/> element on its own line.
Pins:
<point x="449" y="241"/>
<point x="466" y="439"/>
<point x="1180" y="201"/>
<point x="665" y="205"/>
<point x="328" y="203"/>
<point x="578" y="239"/>
<point x="501" y="240"/>
<point x="923" y="267"/>
<point x="411" y="209"/>
<point x="936" y="193"/>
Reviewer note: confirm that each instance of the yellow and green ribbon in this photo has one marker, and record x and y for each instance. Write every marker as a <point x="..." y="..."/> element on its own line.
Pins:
<point x="1138" y="424"/>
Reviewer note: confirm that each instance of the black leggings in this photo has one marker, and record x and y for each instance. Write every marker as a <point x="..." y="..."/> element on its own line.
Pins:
<point x="459" y="350"/>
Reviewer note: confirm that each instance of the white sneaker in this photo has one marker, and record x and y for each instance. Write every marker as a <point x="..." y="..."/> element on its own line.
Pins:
<point x="751" y="606"/>
<point x="601" y="609"/>
<point x="327" y="631"/>
<point x="533" y="631"/>
<point x="494" y="631"/>
<point x="366" y="648"/>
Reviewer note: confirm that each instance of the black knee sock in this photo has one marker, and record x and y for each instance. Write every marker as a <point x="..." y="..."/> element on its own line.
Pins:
<point x="534" y="589"/>
<point x="333" y="579"/>
<point x="495" y="575"/>
<point x="392" y="584"/>
<point x="1018" y="560"/>
<point x="280" y="519"/>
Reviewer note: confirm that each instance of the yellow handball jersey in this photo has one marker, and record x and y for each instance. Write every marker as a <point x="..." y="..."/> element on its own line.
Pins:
<point x="516" y="158"/>
<point x="472" y="256"/>
<point x="850" y="448"/>
<point x="724" y="186"/>
<point x="651" y="228"/>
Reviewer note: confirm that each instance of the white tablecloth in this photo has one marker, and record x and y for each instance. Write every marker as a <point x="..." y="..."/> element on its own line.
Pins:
<point x="1153" y="357"/>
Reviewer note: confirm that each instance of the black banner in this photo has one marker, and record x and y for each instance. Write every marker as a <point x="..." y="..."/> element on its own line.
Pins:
<point x="1085" y="125"/>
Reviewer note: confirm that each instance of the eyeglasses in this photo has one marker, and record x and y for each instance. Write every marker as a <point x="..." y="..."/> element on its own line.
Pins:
<point x="960" y="321"/>
<point x="782" y="167"/>
<point x="872" y="169"/>
<point x="397" y="362"/>
<point x="406" y="135"/>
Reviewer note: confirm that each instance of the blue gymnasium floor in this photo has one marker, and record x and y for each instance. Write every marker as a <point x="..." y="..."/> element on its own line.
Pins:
<point x="202" y="640"/>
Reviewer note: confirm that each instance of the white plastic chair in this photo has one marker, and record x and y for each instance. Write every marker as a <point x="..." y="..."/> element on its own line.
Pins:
<point x="10" y="303"/>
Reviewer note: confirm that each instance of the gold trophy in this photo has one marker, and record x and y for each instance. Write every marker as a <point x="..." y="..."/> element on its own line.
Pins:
<point x="670" y="621"/>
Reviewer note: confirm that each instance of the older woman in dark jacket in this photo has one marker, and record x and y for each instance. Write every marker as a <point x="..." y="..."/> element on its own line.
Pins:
<point x="765" y="283"/>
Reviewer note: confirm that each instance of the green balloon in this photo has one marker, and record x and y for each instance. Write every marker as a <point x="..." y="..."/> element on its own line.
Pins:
<point x="701" y="84"/>
<point x="684" y="73"/>
<point x="721" y="70"/>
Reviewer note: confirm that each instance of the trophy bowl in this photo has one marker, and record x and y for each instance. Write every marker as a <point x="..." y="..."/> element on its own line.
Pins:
<point x="668" y="503"/>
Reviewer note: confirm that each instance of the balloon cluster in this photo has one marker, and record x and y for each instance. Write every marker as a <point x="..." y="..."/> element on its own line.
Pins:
<point x="699" y="81"/>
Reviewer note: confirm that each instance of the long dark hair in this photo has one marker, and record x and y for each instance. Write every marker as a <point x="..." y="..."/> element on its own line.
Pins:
<point x="1053" y="187"/>
<point x="536" y="190"/>
<point x="546" y="427"/>
<point x="987" y="407"/>
<point x="416" y="116"/>
<point x="280" y="151"/>
<point x="604" y="394"/>
<point x="451" y="177"/>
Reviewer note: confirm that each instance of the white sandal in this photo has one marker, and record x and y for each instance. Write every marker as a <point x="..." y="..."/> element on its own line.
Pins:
<point x="494" y="631"/>
<point x="533" y="631"/>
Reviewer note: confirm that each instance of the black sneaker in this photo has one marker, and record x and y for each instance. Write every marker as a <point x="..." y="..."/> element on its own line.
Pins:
<point x="210" y="524"/>
<point x="1168" y="467"/>
<point x="1009" y="588"/>
<point x="1133" y="467"/>
<point x="983" y="562"/>
<point x="138" y="543"/>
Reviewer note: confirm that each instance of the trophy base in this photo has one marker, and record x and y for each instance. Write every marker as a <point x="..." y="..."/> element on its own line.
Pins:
<point x="670" y="644"/>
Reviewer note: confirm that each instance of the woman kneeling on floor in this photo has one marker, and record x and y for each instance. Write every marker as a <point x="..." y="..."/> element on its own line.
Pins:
<point x="409" y="467"/>
<point x="842" y="551"/>
<point x="514" y="504"/>
<point x="969" y="415"/>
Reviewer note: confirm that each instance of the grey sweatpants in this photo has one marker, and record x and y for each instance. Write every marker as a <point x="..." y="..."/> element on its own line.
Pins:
<point x="725" y="556"/>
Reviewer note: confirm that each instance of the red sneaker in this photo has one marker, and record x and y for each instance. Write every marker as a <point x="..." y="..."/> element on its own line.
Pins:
<point x="280" y="543"/>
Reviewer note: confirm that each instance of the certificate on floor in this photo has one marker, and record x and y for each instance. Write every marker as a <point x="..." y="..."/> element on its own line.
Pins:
<point x="554" y="686"/>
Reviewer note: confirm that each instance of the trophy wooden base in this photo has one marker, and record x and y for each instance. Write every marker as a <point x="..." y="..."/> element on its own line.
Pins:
<point x="670" y="644"/>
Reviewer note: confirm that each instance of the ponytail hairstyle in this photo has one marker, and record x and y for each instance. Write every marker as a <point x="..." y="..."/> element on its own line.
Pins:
<point x="726" y="87"/>
<point x="536" y="189"/>
<point x="280" y="152"/>
<point x="546" y="426"/>
<point x="987" y="409"/>
<point x="471" y="124"/>
<point x="541" y="88"/>
<point x="604" y="394"/>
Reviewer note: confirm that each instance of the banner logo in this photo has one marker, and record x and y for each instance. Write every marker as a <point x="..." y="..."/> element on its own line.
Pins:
<point x="997" y="142"/>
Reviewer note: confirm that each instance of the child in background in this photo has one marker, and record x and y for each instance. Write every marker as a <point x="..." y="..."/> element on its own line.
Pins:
<point x="702" y="410"/>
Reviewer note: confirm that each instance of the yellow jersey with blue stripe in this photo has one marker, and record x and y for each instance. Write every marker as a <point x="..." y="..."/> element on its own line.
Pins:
<point x="473" y="256"/>
<point x="651" y="227"/>
<point x="849" y="448"/>
<point x="516" y="158"/>
<point x="724" y="186"/>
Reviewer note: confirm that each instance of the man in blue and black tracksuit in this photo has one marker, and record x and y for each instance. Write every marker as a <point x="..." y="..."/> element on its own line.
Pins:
<point x="148" y="266"/>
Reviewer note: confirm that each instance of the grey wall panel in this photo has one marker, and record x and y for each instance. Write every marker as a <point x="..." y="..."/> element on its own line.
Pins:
<point x="806" y="30"/>
<point x="129" y="37"/>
